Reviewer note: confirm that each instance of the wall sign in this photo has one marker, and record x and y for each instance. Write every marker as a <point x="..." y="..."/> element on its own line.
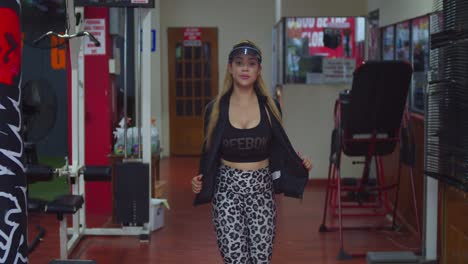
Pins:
<point x="97" y="27"/>
<point x="338" y="70"/>
<point x="192" y="37"/>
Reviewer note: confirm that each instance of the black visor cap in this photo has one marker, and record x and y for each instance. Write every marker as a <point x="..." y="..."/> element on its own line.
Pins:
<point x="245" y="50"/>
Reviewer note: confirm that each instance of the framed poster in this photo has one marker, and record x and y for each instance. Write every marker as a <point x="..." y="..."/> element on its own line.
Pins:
<point x="309" y="41"/>
<point x="388" y="43"/>
<point x="402" y="41"/>
<point x="420" y="59"/>
<point x="373" y="43"/>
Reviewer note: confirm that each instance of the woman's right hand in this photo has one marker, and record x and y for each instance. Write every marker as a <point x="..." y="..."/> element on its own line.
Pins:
<point x="197" y="183"/>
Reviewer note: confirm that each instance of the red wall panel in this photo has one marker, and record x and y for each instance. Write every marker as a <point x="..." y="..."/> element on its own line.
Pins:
<point x="98" y="130"/>
<point x="98" y="117"/>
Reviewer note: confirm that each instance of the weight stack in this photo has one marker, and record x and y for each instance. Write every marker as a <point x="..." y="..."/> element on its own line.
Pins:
<point x="131" y="193"/>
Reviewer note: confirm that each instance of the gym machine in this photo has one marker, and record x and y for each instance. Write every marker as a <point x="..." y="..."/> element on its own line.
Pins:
<point x="137" y="217"/>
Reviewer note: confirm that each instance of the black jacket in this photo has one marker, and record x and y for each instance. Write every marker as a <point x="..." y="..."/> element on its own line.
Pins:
<point x="290" y="176"/>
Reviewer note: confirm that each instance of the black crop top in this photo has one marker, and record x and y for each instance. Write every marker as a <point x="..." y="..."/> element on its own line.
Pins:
<point x="247" y="145"/>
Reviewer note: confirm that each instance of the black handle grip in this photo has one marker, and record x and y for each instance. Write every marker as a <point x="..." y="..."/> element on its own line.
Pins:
<point x="92" y="38"/>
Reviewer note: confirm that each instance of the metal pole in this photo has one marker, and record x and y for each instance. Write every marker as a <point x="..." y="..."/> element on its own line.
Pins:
<point x="125" y="82"/>
<point x="138" y="78"/>
<point x="431" y="191"/>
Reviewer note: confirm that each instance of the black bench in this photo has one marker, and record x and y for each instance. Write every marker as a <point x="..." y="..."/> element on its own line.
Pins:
<point x="71" y="204"/>
<point x="64" y="204"/>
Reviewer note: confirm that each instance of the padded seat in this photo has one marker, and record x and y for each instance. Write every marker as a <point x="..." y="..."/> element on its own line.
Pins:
<point x="97" y="173"/>
<point x="65" y="204"/>
<point x="35" y="173"/>
<point x="375" y="104"/>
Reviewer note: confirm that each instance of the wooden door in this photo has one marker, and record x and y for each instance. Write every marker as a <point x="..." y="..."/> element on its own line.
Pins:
<point x="193" y="82"/>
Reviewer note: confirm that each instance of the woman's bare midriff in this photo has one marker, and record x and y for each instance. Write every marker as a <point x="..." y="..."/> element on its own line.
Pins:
<point x="247" y="165"/>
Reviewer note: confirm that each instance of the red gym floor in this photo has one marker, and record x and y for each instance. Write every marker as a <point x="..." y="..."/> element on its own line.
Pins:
<point x="188" y="235"/>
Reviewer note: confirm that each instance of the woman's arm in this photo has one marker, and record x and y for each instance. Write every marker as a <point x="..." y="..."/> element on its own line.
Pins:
<point x="197" y="182"/>
<point x="279" y="107"/>
<point x="206" y="121"/>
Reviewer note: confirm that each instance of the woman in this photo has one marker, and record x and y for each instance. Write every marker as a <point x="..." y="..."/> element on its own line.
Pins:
<point x="246" y="158"/>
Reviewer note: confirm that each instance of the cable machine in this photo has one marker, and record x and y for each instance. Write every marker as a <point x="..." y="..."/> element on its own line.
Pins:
<point x="137" y="210"/>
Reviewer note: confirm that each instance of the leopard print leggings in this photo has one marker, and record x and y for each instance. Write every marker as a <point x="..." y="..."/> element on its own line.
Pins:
<point x="244" y="215"/>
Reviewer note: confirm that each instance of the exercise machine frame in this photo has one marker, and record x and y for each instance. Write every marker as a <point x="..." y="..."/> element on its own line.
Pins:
<point x="75" y="167"/>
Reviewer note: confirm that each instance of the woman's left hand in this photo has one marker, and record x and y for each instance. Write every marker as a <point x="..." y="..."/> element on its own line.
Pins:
<point x="306" y="162"/>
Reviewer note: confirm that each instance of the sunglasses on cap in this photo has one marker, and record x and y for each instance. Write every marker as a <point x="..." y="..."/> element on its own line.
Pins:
<point x="245" y="50"/>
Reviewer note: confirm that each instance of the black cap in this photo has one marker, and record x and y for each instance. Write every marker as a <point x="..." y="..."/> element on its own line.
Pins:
<point x="245" y="47"/>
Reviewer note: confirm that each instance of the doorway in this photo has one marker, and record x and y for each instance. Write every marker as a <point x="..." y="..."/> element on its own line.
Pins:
<point x="193" y="83"/>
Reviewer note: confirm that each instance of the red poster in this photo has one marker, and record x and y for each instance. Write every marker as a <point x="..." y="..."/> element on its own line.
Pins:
<point x="192" y="37"/>
<point x="311" y="30"/>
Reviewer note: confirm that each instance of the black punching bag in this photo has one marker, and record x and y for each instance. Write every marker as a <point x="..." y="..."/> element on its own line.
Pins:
<point x="13" y="206"/>
<point x="331" y="37"/>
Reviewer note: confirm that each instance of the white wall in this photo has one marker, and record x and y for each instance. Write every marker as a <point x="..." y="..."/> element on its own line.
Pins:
<point x="308" y="120"/>
<point x="235" y="20"/>
<point x="278" y="15"/>
<point x="324" y="8"/>
<point x="308" y="109"/>
<point x="394" y="11"/>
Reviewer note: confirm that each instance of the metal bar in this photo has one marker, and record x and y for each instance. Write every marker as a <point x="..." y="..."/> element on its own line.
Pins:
<point x="380" y="188"/>
<point x="379" y="178"/>
<point x="138" y="77"/>
<point x="429" y="250"/>
<point x="362" y="215"/>
<point x="73" y="242"/>
<point x="364" y="206"/>
<point x="70" y="231"/>
<point x="125" y="77"/>
<point x="382" y="176"/>
<point x="332" y="190"/>
<point x="415" y="206"/>
<point x="431" y="205"/>
<point x="63" y="238"/>
<point x="336" y="228"/>
<point x="335" y="192"/>
<point x="324" y="217"/>
<point x="340" y="212"/>
<point x="125" y="231"/>
<point x="395" y="202"/>
<point x="146" y="94"/>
